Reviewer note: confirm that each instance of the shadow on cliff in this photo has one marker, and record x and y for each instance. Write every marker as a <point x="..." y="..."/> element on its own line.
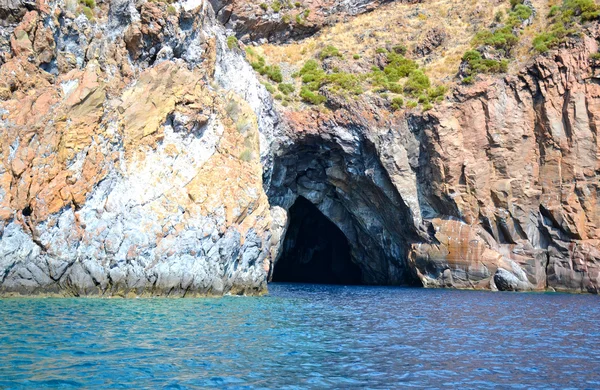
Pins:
<point x="314" y="250"/>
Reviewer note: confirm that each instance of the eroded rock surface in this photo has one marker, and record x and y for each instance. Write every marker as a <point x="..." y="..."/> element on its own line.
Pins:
<point x="496" y="189"/>
<point x="140" y="155"/>
<point x="124" y="171"/>
<point x="279" y="21"/>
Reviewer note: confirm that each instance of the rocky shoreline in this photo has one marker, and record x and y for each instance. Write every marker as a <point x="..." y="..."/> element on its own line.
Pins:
<point x="142" y="156"/>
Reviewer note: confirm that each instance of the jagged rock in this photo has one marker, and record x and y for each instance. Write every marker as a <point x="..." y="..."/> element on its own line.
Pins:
<point x="116" y="188"/>
<point x="433" y="39"/>
<point x="253" y="21"/>
<point x="11" y="11"/>
<point x="485" y="192"/>
<point x="141" y="156"/>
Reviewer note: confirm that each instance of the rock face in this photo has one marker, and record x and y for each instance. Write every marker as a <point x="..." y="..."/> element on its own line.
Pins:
<point x="125" y="171"/>
<point x="12" y="11"/>
<point x="280" y="21"/>
<point x="518" y="161"/>
<point x="140" y="155"/>
<point x="497" y="189"/>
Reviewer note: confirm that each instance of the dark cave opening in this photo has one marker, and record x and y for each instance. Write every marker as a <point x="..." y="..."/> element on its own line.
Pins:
<point x="27" y="211"/>
<point x="314" y="250"/>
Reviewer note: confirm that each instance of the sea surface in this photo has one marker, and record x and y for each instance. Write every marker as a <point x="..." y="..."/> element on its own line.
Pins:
<point x="305" y="336"/>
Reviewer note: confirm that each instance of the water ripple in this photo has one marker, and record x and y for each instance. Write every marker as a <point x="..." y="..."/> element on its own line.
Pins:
<point x="305" y="336"/>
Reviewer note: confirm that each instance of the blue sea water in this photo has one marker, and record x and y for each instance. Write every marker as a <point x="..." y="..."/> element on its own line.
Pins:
<point x="305" y="336"/>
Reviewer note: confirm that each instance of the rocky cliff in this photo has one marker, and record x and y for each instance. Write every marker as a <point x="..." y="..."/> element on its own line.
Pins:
<point x="141" y="153"/>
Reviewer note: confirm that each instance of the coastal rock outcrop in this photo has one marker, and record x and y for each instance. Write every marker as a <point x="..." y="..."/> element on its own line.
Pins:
<point x="141" y="155"/>
<point x="124" y="171"/>
<point x="496" y="189"/>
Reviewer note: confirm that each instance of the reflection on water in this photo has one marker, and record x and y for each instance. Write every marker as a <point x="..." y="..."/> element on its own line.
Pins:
<point x="305" y="336"/>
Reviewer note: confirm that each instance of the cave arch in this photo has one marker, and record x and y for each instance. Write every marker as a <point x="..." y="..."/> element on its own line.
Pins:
<point x="346" y="181"/>
<point x="314" y="250"/>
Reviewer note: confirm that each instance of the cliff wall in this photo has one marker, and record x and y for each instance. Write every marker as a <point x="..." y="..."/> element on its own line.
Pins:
<point x="141" y="154"/>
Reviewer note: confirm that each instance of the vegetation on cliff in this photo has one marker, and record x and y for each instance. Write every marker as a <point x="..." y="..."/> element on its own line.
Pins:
<point x="398" y="75"/>
<point x="492" y="48"/>
<point x="565" y="21"/>
<point x="418" y="51"/>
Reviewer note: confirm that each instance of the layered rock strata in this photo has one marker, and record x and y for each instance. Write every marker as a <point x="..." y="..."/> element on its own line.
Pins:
<point x="140" y="155"/>
<point x="126" y="168"/>
<point x="496" y="189"/>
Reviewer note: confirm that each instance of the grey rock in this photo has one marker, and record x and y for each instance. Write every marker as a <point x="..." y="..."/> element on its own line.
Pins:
<point x="12" y="11"/>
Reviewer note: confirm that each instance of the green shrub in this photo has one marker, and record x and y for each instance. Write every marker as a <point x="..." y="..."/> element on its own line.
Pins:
<point x="381" y="50"/>
<point x="519" y="14"/>
<point x="274" y="73"/>
<point x="329" y="51"/>
<point x="279" y="97"/>
<point x="477" y="64"/>
<point x="297" y="4"/>
<point x="312" y="75"/>
<point x="411" y="104"/>
<point x="557" y="34"/>
<point x="417" y="83"/>
<point x="311" y="97"/>
<point x="491" y="66"/>
<point x="586" y="9"/>
<point x="270" y="88"/>
<point x="468" y="80"/>
<point x="471" y="55"/>
<point x="345" y="81"/>
<point x="399" y="49"/>
<point x="554" y="10"/>
<point x="543" y="42"/>
<point x="437" y="93"/>
<point x="87" y="11"/>
<point x="564" y="22"/>
<point x="258" y="65"/>
<point x="264" y="6"/>
<point x="356" y="57"/>
<point x="246" y="155"/>
<point x="276" y="6"/>
<point x="595" y="56"/>
<point x="89" y="3"/>
<point x="398" y="67"/>
<point x="502" y="39"/>
<point x="427" y="106"/>
<point x="286" y="89"/>
<point x="309" y="66"/>
<point x="232" y="42"/>
<point x="397" y="103"/>
<point x="394" y="87"/>
<point x="171" y="10"/>
<point x="286" y="18"/>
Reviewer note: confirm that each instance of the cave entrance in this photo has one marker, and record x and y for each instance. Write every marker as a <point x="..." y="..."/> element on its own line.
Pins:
<point x="314" y="250"/>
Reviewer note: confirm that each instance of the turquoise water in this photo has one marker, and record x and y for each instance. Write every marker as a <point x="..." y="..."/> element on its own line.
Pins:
<point x="305" y="336"/>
